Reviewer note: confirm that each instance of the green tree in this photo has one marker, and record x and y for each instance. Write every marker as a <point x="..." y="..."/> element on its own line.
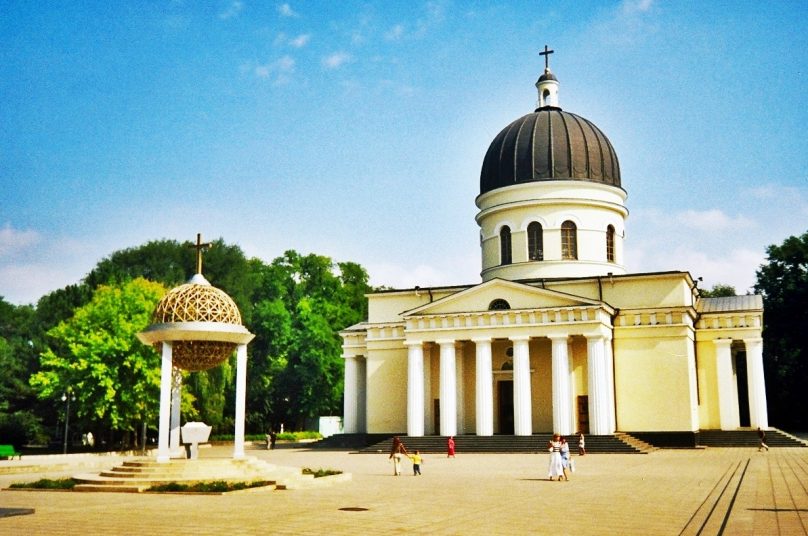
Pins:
<point x="302" y="302"/>
<point x="719" y="290"/>
<point x="115" y="378"/>
<point x="783" y="282"/>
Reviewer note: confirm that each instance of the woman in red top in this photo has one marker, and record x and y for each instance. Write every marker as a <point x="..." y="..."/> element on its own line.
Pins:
<point x="450" y="447"/>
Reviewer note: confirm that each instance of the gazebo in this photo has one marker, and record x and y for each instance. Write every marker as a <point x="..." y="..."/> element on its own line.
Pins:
<point x="196" y="326"/>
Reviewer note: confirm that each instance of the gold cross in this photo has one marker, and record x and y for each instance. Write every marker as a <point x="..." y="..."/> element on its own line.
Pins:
<point x="199" y="246"/>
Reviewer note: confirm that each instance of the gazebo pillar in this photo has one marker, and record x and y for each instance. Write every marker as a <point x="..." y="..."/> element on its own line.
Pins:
<point x="163" y="451"/>
<point x="241" y="396"/>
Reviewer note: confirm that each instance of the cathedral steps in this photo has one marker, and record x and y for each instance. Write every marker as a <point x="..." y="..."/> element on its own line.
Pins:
<point x="505" y="444"/>
<point x="748" y="438"/>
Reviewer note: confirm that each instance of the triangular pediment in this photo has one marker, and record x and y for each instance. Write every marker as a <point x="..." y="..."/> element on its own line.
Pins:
<point x="517" y="296"/>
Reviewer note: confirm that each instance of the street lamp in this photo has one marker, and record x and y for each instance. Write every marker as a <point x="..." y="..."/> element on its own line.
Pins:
<point x="67" y="398"/>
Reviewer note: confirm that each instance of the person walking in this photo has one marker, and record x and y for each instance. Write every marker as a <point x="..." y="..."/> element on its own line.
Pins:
<point x="555" y="469"/>
<point x="581" y="444"/>
<point x="416" y="463"/>
<point x="450" y="447"/>
<point x="565" y="458"/>
<point x="762" y="437"/>
<point x="397" y="451"/>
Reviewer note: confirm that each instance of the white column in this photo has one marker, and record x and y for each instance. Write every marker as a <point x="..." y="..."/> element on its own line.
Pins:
<point x="163" y="454"/>
<point x="758" y="408"/>
<point x="350" y="420"/>
<point x="415" y="389"/>
<point x="598" y="386"/>
<point x="522" y="415"/>
<point x="241" y="396"/>
<point x="610" y="383"/>
<point x="727" y="391"/>
<point x="429" y="415"/>
<point x="562" y="397"/>
<point x="460" y="390"/>
<point x="484" y="396"/>
<point x="174" y="446"/>
<point x="448" y="389"/>
<point x="573" y="393"/>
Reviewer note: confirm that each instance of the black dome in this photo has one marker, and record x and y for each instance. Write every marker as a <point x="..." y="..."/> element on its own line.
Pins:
<point x="549" y="144"/>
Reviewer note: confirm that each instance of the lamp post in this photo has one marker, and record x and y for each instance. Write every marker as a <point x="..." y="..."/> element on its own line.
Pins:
<point x="67" y="397"/>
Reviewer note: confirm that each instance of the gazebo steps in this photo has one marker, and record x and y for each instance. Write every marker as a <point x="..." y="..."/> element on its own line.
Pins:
<point x="135" y="476"/>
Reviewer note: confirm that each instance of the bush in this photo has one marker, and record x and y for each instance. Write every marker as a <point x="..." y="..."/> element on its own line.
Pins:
<point x="213" y="486"/>
<point x="46" y="483"/>
<point x="320" y="472"/>
<point x="286" y="436"/>
<point x="20" y="428"/>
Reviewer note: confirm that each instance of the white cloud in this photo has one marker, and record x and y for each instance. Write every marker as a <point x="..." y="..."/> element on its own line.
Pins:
<point x="300" y="41"/>
<point x="735" y="267"/>
<point x="636" y="6"/>
<point x="14" y="240"/>
<point x="712" y="220"/>
<point x="279" y="67"/>
<point x="286" y="10"/>
<point x="395" y="33"/>
<point x="232" y="10"/>
<point x="336" y="60"/>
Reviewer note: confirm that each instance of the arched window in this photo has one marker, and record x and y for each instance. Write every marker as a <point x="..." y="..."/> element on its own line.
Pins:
<point x="505" y="245"/>
<point x="545" y="97"/>
<point x="499" y="305"/>
<point x="610" y="243"/>
<point x="569" y="241"/>
<point x="535" y="242"/>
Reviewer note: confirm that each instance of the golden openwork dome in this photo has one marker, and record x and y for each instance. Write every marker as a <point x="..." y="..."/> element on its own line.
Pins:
<point x="198" y="301"/>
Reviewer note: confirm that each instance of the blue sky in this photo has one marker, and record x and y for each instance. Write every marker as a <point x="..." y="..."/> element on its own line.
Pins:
<point x="357" y="129"/>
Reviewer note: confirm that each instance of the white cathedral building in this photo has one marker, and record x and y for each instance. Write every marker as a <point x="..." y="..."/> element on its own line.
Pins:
<point x="558" y="336"/>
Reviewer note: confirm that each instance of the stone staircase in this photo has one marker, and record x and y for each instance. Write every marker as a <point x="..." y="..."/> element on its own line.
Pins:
<point x="613" y="444"/>
<point x="137" y="475"/>
<point x="748" y="438"/>
<point x="635" y="442"/>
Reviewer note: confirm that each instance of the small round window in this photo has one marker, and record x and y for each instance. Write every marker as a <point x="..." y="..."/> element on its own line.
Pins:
<point x="498" y="305"/>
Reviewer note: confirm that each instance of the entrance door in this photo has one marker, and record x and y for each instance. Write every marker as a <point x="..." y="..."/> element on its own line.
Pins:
<point x="436" y="415"/>
<point x="505" y="399"/>
<point x="583" y="414"/>
<point x="743" y="389"/>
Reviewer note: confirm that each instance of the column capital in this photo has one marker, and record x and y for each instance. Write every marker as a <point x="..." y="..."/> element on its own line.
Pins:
<point x="557" y="337"/>
<point x="445" y="342"/>
<point x="519" y="338"/>
<point x="477" y="340"/>
<point x="413" y="343"/>
<point x="594" y="337"/>
<point x="753" y="340"/>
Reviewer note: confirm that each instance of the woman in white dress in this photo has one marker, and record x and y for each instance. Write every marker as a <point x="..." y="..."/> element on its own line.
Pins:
<point x="556" y="468"/>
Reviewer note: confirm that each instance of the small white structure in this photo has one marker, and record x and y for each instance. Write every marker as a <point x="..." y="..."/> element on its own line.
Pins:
<point x="194" y="433"/>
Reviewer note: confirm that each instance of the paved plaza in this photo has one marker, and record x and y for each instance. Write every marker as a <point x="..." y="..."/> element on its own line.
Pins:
<point x="706" y="491"/>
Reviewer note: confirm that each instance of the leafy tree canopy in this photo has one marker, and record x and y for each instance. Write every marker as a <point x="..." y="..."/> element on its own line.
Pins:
<point x="783" y="282"/>
<point x="115" y="378"/>
<point x="719" y="290"/>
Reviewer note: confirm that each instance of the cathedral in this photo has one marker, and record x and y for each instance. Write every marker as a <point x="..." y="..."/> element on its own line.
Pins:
<point x="558" y="336"/>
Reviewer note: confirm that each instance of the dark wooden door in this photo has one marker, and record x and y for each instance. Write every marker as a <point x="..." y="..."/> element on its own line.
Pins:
<point x="583" y="414"/>
<point x="505" y="399"/>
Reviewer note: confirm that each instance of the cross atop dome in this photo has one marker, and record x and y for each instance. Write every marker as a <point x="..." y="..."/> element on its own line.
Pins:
<point x="547" y="83"/>
<point x="200" y="247"/>
<point x="546" y="54"/>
